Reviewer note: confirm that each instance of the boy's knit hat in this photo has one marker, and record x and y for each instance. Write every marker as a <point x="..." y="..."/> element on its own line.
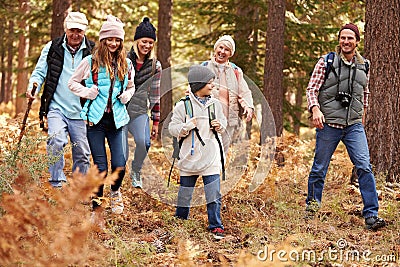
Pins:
<point x="113" y="27"/>
<point x="352" y="27"/>
<point x="145" y="29"/>
<point x="199" y="76"/>
<point x="226" y="40"/>
<point x="75" y="20"/>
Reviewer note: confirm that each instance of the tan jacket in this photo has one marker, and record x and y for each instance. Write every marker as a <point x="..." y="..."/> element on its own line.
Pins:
<point x="239" y="92"/>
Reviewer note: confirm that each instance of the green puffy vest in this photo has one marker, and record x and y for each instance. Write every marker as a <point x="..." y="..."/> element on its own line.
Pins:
<point x="345" y="77"/>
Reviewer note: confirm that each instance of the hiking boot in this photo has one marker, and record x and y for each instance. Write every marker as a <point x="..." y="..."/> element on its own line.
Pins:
<point x="136" y="180"/>
<point x="374" y="223"/>
<point x="309" y="215"/>
<point x="117" y="206"/>
<point x="218" y="233"/>
<point x="311" y="209"/>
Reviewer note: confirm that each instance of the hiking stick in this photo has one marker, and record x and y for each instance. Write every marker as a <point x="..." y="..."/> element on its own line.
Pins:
<point x="170" y="171"/>
<point x="28" y="108"/>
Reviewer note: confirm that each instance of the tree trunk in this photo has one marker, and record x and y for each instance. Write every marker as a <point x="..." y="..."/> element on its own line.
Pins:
<point x="382" y="38"/>
<point x="273" y="69"/>
<point x="298" y="111"/>
<point x="60" y="11"/>
<point x="22" y="73"/>
<point x="164" y="56"/>
<point x="2" y="64"/>
<point x="9" y="87"/>
<point x="244" y="32"/>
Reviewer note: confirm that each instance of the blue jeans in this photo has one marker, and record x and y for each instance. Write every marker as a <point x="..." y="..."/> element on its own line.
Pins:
<point x="213" y="198"/>
<point x="97" y="135"/>
<point x="59" y="127"/>
<point x="354" y="138"/>
<point x="139" y="128"/>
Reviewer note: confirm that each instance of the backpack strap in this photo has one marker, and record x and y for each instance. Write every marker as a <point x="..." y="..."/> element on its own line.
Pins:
<point x="188" y="106"/>
<point x="328" y="60"/>
<point x="233" y="65"/>
<point x="235" y="70"/>
<point x="189" y="111"/>
<point x="366" y="62"/>
<point x="95" y="79"/>
<point x="153" y="66"/>
<point x="211" y="116"/>
<point x="177" y="144"/>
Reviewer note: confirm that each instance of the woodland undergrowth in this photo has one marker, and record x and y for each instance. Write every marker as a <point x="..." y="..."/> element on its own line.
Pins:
<point x="44" y="226"/>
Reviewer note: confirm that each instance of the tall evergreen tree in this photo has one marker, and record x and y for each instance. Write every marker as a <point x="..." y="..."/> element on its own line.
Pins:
<point x="164" y="56"/>
<point x="60" y="11"/>
<point x="382" y="38"/>
<point x="273" y="68"/>
<point x="22" y="74"/>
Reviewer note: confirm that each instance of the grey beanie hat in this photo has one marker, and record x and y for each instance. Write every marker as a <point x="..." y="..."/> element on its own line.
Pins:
<point x="199" y="76"/>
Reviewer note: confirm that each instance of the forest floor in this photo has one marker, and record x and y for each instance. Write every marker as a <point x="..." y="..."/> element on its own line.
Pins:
<point x="42" y="226"/>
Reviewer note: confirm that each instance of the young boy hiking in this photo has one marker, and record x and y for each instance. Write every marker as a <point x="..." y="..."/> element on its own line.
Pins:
<point x="198" y="122"/>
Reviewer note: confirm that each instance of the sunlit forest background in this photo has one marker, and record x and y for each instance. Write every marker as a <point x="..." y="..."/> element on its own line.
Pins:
<point x="310" y="31"/>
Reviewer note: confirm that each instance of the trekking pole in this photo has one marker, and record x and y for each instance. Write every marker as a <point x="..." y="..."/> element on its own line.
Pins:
<point x="175" y="155"/>
<point x="22" y="131"/>
<point x="170" y="172"/>
<point x="28" y="108"/>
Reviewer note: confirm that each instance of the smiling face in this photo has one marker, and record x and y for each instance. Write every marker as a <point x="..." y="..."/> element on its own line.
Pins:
<point x="144" y="45"/>
<point x="113" y="44"/>
<point x="206" y="90"/>
<point x="74" y="37"/>
<point x="348" y="42"/>
<point x="222" y="53"/>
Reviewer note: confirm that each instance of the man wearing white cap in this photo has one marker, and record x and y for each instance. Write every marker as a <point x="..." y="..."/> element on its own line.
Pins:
<point x="231" y="88"/>
<point x="59" y="106"/>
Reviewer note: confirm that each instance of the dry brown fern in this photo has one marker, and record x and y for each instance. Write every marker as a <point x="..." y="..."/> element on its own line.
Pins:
<point x="43" y="226"/>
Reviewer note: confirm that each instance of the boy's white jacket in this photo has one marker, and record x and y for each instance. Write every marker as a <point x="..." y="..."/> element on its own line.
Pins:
<point x="205" y="159"/>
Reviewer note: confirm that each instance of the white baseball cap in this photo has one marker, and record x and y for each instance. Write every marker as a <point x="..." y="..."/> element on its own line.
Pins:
<point x="75" y="20"/>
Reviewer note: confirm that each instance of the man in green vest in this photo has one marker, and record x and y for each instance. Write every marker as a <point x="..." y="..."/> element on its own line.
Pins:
<point x="337" y="103"/>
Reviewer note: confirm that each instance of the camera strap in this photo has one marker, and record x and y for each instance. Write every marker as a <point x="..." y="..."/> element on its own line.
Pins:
<point x="338" y="76"/>
<point x="350" y="86"/>
<point x="352" y="79"/>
